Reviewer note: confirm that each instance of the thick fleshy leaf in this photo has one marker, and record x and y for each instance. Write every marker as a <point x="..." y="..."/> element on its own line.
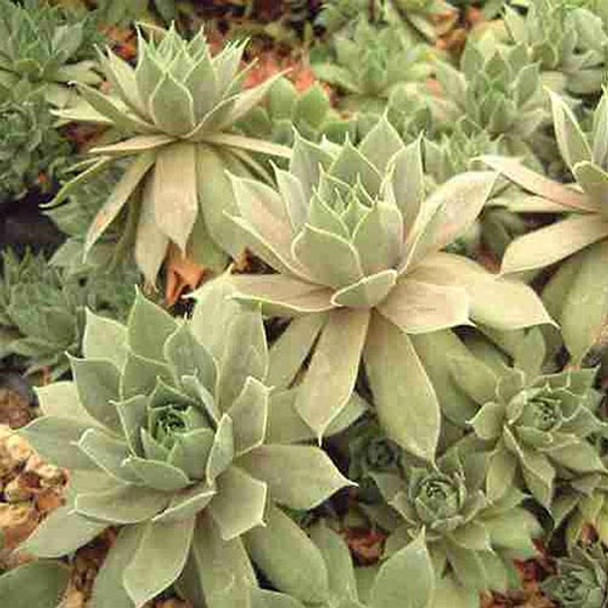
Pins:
<point x="307" y="162"/>
<point x="286" y="426"/>
<point x="140" y="376"/>
<point x="187" y="503"/>
<point x="405" y="401"/>
<point x="216" y="198"/>
<point x="239" y="503"/>
<point x="187" y="357"/>
<point x="55" y="439"/>
<point x="581" y="457"/>
<point x="416" y="307"/>
<point x="108" y="453"/>
<point x="159" y="559"/>
<point x="121" y="505"/>
<point x="217" y="566"/>
<point x="60" y="400"/>
<point x="381" y="144"/>
<point x="175" y="191"/>
<point x="367" y="292"/>
<point x="288" y="558"/>
<point x="594" y="181"/>
<point x="571" y="140"/>
<point x="350" y="165"/>
<point x="553" y="243"/>
<point x="452" y="209"/>
<point x="434" y="350"/>
<point x="62" y="533"/>
<point x="282" y="295"/>
<point x="98" y="384"/>
<point x="495" y="302"/>
<point x="39" y="584"/>
<point x="393" y="588"/>
<point x="155" y="474"/>
<point x="128" y="183"/>
<point x="331" y="376"/>
<point x="150" y="243"/>
<point x="489" y="420"/>
<point x="340" y="569"/>
<point x="249" y="415"/>
<point x="290" y="350"/>
<point x="108" y="591"/>
<point x="245" y="354"/>
<point x="474" y="377"/>
<point x="299" y="477"/>
<point x="113" y="110"/>
<point x="329" y="258"/>
<point x="104" y="338"/>
<point x="539" y="184"/>
<point x="408" y="182"/>
<point x="172" y="107"/>
<point x="378" y="238"/>
<point x="265" y="210"/>
<point x="144" y="315"/>
<point x="585" y="306"/>
<point x="134" y="145"/>
<point x="222" y="450"/>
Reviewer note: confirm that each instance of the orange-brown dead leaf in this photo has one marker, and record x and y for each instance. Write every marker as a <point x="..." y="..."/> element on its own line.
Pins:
<point x="183" y="274"/>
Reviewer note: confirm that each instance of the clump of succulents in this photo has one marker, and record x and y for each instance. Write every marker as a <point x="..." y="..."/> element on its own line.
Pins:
<point x="39" y="44"/>
<point x="116" y="12"/>
<point x="169" y="431"/>
<point x="419" y="19"/>
<point x="576" y="294"/>
<point x="31" y="150"/>
<point x="569" y="43"/>
<point x="472" y="538"/>
<point x="581" y="580"/>
<point x="370" y="62"/>
<point x="42" y="309"/>
<point x="284" y="109"/>
<point x="538" y="427"/>
<point x="356" y="246"/>
<point x="497" y="90"/>
<point x="177" y="109"/>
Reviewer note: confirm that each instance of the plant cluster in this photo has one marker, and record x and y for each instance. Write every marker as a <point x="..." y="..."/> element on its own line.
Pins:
<point x="402" y="327"/>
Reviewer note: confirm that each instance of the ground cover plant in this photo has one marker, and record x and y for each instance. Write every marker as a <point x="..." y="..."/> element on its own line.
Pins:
<point x="303" y="304"/>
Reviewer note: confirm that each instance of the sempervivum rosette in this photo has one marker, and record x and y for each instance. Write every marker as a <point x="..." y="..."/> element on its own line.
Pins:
<point x="356" y="246"/>
<point x="472" y="540"/>
<point x="167" y="430"/>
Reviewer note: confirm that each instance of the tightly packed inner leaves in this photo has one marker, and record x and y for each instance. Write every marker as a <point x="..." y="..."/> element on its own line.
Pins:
<point x="387" y="385"/>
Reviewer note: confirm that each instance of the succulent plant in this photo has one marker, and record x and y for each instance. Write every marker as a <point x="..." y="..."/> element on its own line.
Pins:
<point x="576" y="294"/>
<point x="471" y="538"/>
<point x="581" y="503"/>
<point x="169" y="430"/>
<point x="40" y="44"/>
<point x="114" y="12"/>
<point x="178" y="107"/>
<point x="356" y="245"/>
<point x="421" y="18"/>
<point x="497" y="90"/>
<point x="371" y="587"/>
<point x="73" y="217"/>
<point x="537" y="426"/>
<point x="581" y="580"/>
<point x="310" y="113"/>
<point x="370" y="63"/>
<point x="31" y="150"/>
<point x="570" y="44"/>
<point x="42" y="311"/>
